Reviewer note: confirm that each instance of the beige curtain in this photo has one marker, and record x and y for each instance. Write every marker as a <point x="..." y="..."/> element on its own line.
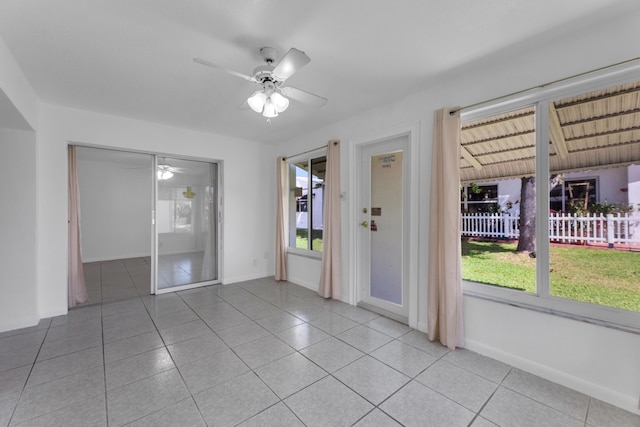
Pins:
<point x="444" y="290"/>
<point x="77" y="288"/>
<point x="282" y="221"/>
<point x="330" y="270"/>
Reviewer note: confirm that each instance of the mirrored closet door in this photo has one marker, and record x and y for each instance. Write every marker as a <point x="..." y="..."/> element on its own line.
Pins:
<point x="186" y="224"/>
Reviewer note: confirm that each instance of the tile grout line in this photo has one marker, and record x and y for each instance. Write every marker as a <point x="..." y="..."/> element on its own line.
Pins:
<point x="175" y="366"/>
<point x="296" y="351"/>
<point x="33" y="364"/>
<point x="413" y="378"/>
<point x="252" y="370"/>
<point x="104" y="359"/>
<point x="104" y="363"/>
<point x="331" y="374"/>
<point x="543" y="403"/>
<point x="490" y="397"/>
<point x="191" y="395"/>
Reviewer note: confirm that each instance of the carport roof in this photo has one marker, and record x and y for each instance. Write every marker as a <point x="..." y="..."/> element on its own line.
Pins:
<point x="596" y="130"/>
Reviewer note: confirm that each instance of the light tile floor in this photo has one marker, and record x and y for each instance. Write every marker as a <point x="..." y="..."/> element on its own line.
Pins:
<point x="123" y="278"/>
<point x="262" y="353"/>
<point x="117" y="279"/>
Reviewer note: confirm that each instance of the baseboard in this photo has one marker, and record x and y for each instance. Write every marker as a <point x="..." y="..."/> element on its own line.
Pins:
<point x="20" y="324"/>
<point x="613" y="397"/>
<point x="31" y="321"/>
<point x="311" y="286"/>
<point x="422" y="327"/>
<point x="237" y="279"/>
<point x="384" y="313"/>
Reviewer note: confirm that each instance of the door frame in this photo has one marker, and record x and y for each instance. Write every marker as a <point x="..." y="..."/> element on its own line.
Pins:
<point x="411" y="131"/>
<point x="152" y="222"/>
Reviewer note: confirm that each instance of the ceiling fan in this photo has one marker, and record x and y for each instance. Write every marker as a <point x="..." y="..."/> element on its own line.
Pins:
<point x="166" y="171"/>
<point x="271" y="99"/>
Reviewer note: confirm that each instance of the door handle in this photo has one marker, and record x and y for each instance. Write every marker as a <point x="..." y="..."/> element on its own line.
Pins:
<point x="364" y="224"/>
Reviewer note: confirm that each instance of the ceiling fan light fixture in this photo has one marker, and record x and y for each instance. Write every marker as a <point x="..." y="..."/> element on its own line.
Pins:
<point x="164" y="172"/>
<point x="257" y="101"/>
<point x="281" y="103"/>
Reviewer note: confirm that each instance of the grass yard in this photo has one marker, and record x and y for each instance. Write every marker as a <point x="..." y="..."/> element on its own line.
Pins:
<point x="606" y="277"/>
<point x="302" y="242"/>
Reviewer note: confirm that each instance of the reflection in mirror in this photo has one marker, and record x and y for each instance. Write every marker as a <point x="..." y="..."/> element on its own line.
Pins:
<point x="186" y="222"/>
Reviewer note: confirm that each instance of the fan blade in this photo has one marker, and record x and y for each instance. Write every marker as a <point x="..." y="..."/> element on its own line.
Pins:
<point x="292" y="62"/>
<point x="219" y="68"/>
<point x="244" y="106"/>
<point x="302" y="96"/>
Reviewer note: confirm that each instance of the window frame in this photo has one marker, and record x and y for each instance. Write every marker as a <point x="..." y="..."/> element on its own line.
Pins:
<point x="308" y="157"/>
<point x="542" y="300"/>
<point x="565" y="192"/>
<point x="466" y="204"/>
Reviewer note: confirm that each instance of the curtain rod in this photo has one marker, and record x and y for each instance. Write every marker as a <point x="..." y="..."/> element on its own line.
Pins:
<point x="335" y="142"/>
<point x="540" y="86"/>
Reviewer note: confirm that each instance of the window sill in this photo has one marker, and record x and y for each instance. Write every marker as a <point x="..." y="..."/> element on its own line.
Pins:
<point x="575" y="310"/>
<point x="304" y="253"/>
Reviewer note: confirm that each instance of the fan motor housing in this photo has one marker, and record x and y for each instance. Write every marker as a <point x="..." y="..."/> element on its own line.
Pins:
<point x="263" y="73"/>
<point x="269" y="54"/>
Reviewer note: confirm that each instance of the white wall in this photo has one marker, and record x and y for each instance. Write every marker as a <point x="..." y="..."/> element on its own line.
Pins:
<point x="509" y="191"/>
<point x="595" y="360"/>
<point x="304" y="271"/>
<point x="115" y="207"/>
<point x="633" y="184"/>
<point x="602" y="362"/>
<point x="248" y="207"/>
<point x="17" y="229"/>
<point x="610" y="181"/>
<point x="16" y="87"/>
<point x="18" y="252"/>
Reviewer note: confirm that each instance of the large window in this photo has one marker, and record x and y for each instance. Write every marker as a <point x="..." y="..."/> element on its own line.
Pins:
<point x="479" y="198"/>
<point x="573" y="195"/>
<point x="306" y="178"/>
<point x="574" y="245"/>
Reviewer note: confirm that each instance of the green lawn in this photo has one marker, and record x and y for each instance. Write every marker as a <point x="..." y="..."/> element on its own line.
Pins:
<point x="605" y="277"/>
<point x="302" y="242"/>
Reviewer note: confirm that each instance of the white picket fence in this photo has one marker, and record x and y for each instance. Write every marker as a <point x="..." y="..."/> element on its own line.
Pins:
<point x="563" y="228"/>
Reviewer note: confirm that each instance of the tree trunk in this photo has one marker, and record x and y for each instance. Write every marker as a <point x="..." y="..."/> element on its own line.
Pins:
<point x="527" y="238"/>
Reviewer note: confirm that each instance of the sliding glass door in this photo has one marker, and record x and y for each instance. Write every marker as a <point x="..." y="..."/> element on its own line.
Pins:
<point x="186" y="224"/>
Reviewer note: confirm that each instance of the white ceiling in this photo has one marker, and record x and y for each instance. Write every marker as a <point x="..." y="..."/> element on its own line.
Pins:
<point x="134" y="58"/>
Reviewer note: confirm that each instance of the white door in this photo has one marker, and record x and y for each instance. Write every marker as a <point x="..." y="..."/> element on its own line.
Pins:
<point x="383" y="223"/>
